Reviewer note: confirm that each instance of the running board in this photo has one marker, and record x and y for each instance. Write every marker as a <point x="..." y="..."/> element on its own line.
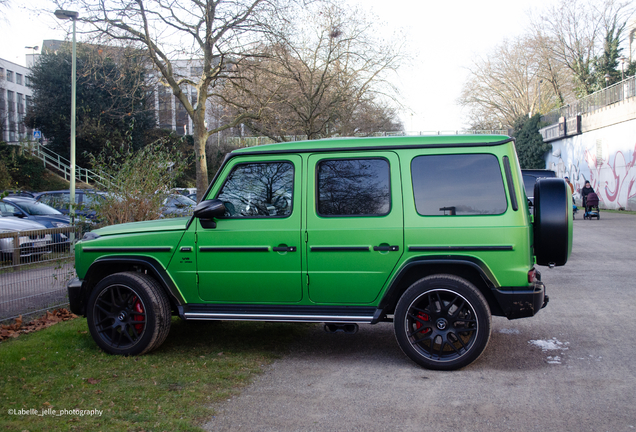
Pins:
<point x="310" y="314"/>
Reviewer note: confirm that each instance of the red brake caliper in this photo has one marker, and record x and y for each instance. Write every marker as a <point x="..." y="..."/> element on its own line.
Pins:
<point x="138" y="308"/>
<point x="418" y="325"/>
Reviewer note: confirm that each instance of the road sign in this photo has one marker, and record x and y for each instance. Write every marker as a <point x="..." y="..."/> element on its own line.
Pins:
<point x="37" y="134"/>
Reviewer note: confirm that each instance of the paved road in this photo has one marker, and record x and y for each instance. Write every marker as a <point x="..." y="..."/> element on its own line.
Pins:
<point x="569" y="368"/>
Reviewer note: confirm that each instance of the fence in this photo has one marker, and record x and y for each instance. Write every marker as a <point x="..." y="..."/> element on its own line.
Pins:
<point x="608" y="96"/>
<point x="35" y="267"/>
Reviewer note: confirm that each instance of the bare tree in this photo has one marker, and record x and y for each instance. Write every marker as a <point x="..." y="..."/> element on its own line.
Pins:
<point x="503" y="86"/>
<point x="576" y="30"/>
<point x="323" y="73"/>
<point x="212" y="32"/>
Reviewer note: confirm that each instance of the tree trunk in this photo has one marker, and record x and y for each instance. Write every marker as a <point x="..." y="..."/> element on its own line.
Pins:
<point x="200" y="138"/>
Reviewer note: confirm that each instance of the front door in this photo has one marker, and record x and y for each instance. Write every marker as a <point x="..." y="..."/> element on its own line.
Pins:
<point x="253" y="255"/>
<point x="354" y="225"/>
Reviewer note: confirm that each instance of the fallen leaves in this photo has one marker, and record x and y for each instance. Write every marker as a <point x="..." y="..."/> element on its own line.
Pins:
<point x="17" y="328"/>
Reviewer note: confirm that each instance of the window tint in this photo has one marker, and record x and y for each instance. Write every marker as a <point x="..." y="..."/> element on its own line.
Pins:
<point x="353" y="187"/>
<point x="259" y="190"/>
<point x="458" y="185"/>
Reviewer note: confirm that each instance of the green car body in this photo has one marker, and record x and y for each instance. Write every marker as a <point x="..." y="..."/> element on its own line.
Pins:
<point x="338" y="231"/>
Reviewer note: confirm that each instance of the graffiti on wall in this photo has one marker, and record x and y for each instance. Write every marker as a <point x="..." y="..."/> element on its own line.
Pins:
<point x="605" y="159"/>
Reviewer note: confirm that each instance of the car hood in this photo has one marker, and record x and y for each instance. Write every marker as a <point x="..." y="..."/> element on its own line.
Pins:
<point x="173" y="224"/>
<point x="16" y="224"/>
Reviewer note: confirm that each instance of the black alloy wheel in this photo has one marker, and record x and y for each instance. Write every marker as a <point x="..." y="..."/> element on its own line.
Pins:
<point x="442" y="322"/>
<point x="128" y="314"/>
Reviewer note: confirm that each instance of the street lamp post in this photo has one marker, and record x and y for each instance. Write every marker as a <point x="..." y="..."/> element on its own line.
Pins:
<point x="64" y="15"/>
<point x="622" y="60"/>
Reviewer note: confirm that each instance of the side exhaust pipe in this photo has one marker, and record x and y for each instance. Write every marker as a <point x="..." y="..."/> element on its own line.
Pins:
<point x="348" y="328"/>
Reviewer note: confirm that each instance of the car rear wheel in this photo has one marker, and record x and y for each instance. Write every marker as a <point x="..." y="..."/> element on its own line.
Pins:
<point x="128" y="314"/>
<point x="442" y="322"/>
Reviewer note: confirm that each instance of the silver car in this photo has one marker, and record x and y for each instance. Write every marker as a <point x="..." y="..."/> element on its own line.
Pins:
<point x="31" y="244"/>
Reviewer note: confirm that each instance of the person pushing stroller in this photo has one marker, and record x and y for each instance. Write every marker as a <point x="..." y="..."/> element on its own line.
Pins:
<point x="590" y="202"/>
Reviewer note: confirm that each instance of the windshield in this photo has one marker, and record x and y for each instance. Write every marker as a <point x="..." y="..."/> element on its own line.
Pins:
<point x="36" y="208"/>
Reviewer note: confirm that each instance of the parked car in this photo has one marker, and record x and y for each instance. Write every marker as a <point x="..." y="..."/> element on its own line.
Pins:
<point x="175" y="205"/>
<point x="193" y="196"/>
<point x="430" y="233"/>
<point x="86" y="201"/>
<point x="18" y="193"/>
<point x="530" y="177"/>
<point x="184" y="191"/>
<point x="31" y="245"/>
<point x="25" y="208"/>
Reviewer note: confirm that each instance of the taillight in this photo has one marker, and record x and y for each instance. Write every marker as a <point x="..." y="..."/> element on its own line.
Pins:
<point x="532" y="276"/>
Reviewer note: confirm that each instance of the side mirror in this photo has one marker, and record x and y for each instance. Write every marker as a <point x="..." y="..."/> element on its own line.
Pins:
<point x="207" y="210"/>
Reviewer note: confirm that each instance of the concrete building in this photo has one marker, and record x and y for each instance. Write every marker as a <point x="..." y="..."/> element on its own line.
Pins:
<point x="15" y="97"/>
<point x="594" y="140"/>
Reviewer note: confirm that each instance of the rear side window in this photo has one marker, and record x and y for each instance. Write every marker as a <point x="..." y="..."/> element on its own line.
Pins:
<point x="259" y="190"/>
<point x="353" y="187"/>
<point x="56" y="200"/>
<point x="454" y="185"/>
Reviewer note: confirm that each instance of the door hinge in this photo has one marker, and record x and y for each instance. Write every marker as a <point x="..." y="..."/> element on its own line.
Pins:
<point x="197" y="278"/>
<point x="306" y="237"/>
<point x="196" y="237"/>
<point x="307" y="279"/>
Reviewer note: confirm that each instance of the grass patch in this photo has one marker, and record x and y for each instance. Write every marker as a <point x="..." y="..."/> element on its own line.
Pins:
<point x="170" y="389"/>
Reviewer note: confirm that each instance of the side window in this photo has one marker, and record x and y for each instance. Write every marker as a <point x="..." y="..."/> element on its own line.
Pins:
<point x="6" y="209"/>
<point x="259" y="190"/>
<point x="55" y="200"/>
<point x="452" y="185"/>
<point x="353" y="187"/>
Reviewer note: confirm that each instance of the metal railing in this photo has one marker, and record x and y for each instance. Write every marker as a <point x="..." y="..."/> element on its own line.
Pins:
<point x="35" y="267"/>
<point x="63" y="165"/>
<point x="615" y="93"/>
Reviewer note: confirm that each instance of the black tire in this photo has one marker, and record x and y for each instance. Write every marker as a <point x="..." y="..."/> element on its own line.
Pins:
<point x="552" y="222"/>
<point x="442" y="322"/>
<point x="128" y="314"/>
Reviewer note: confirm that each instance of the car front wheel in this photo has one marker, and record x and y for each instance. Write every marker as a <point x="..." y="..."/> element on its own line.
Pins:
<point x="442" y="322"/>
<point x="128" y="314"/>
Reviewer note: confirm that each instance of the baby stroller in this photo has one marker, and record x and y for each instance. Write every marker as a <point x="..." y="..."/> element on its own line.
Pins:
<point x="591" y="207"/>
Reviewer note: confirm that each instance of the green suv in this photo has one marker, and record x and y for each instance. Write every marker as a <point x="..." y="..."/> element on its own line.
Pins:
<point x="431" y="233"/>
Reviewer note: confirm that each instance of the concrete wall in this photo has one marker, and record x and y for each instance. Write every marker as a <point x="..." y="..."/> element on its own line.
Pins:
<point x="605" y="154"/>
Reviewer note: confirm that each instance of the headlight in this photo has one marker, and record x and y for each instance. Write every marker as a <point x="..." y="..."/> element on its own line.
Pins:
<point x="59" y="224"/>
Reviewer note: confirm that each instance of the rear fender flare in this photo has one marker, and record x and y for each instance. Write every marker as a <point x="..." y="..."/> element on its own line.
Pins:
<point x="435" y="264"/>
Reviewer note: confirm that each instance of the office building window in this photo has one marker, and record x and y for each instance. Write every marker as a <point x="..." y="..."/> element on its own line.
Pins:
<point x="20" y="103"/>
<point x="18" y="78"/>
<point x="9" y="76"/>
<point x="10" y="101"/>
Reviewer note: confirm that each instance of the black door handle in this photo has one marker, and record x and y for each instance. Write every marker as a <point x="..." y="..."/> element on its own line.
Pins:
<point x="284" y="249"/>
<point x="386" y="248"/>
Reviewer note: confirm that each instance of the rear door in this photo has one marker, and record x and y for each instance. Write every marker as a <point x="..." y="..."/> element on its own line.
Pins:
<point x="354" y="225"/>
